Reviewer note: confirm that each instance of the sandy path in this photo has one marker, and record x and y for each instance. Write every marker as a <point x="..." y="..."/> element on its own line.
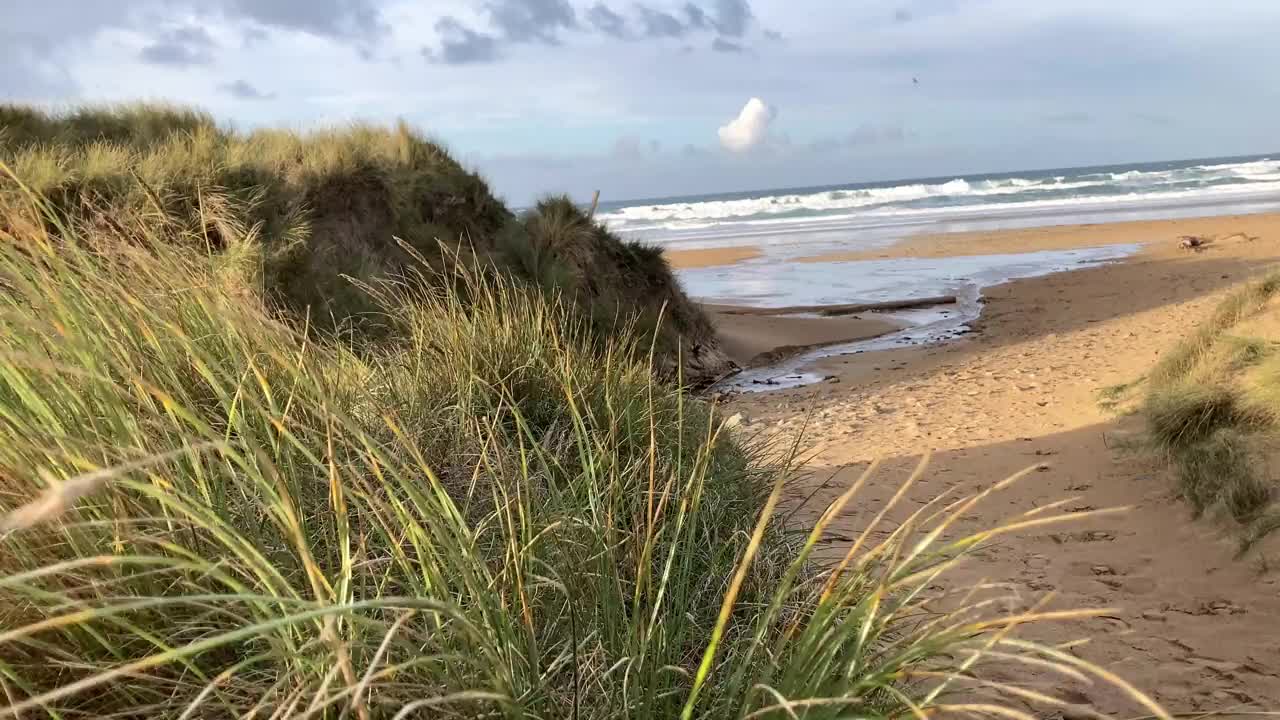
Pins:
<point x="1195" y="627"/>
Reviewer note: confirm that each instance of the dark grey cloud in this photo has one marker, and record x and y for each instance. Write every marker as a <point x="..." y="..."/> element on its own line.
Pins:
<point x="460" y="45"/>
<point x="242" y="90"/>
<point x="358" y="20"/>
<point x="516" y="21"/>
<point x="531" y="20"/>
<point x="733" y="17"/>
<point x="180" y="47"/>
<point x="607" y="21"/>
<point x="659" y="24"/>
<point x="725" y="46"/>
<point x="543" y="21"/>
<point x="696" y="16"/>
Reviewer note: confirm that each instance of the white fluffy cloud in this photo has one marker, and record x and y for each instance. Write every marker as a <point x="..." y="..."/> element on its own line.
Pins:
<point x="749" y="128"/>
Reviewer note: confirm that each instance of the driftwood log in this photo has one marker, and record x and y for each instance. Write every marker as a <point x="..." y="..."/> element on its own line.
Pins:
<point x="1195" y="243"/>
<point x="848" y="309"/>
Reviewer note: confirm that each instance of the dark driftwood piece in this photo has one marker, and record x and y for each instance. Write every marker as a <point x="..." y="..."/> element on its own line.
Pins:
<point x="848" y="309"/>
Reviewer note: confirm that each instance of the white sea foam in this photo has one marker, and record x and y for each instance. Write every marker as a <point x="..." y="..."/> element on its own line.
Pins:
<point x="958" y="197"/>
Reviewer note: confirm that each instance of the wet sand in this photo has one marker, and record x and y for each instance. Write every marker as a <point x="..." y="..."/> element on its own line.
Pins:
<point x="1061" y="237"/>
<point x="962" y="244"/>
<point x="710" y="257"/>
<point x="752" y="339"/>
<point x="1193" y="625"/>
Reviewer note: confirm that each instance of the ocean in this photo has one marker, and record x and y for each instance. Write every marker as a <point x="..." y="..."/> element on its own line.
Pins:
<point x="861" y="215"/>
<point x="798" y="222"/>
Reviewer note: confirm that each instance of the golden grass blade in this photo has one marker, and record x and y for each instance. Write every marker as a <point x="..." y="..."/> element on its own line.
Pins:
<point x="730" y="597"/>
<point x="60" y="497"/>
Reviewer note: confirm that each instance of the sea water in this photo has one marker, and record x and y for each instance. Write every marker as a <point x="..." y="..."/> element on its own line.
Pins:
<point x="793" y="223"/>
<point x="759" y="283"/>
<point x="808" y="221"/>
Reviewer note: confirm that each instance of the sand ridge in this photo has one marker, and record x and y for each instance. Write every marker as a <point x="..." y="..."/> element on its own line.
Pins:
<point x="1195" y="626"/>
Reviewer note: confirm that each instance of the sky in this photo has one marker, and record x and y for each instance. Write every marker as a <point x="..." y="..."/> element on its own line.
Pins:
<point x="654" y="98"/>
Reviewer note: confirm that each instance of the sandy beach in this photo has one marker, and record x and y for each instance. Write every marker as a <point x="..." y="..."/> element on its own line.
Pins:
<point x="1190" y="622"/>
<point x="710" y="257"/>
<point x="962" y="244"/>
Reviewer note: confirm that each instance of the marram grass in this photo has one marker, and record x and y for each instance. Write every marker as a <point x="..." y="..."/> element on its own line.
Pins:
<point x="1212" y="405"/>
<point x="207" y="514"/>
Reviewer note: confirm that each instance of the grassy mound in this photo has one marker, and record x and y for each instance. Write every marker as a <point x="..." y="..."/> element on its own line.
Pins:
<point x="313" y="212"/>
<point x="491" y="511"/>
<point x="206" y="514"/>
<point x="1213" y="403"/>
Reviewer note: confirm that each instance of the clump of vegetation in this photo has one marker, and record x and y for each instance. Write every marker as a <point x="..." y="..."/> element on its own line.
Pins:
<point x="310" y="212"/>
<point x="211" y="515"/>
<point x="1213" y="404"/>
<point x="493" y="510"/>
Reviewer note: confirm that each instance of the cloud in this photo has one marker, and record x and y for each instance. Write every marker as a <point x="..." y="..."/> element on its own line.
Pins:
<point x="516" y="21"/>
<point x="730" y="18"/>
<point x="733" y="17"/>
<point x="902" y="15"/>
<point x="543" y="21"/>
<point x="747" y="130"/>
<point x="698" y="19"/>
<point x="242" y="90"/>
<point x="531" y="20"/>
<point x="339" y="19"/>
<point x="460" y="45"/>
<point x="607" y="21"/>
<point x="33" y="70"/>
<point x="658" y="24"/>
<point x="180" y="47"/>
<point x="725" y="46"/>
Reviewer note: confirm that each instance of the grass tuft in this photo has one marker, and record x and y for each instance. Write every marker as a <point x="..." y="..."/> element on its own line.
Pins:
<point x="1211" y="405"/>
<point x="305" y="213"/>
<point x="209" y="513"/>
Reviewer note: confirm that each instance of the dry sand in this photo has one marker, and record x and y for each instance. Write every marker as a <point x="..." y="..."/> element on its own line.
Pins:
<point x="752" y="339"/>
<point x="1193" y="625"/>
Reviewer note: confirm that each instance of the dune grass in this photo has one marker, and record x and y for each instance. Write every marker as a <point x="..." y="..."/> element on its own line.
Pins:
<point x="323" y="207"/>
<point x="1213" y="403"/>
<point x="207" y="512"/>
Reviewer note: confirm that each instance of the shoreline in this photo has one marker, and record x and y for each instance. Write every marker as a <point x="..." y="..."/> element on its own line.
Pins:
<point x="1023" y="391"/>
<point x="1000" y="242"/>
<point x="753" y="338"/>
